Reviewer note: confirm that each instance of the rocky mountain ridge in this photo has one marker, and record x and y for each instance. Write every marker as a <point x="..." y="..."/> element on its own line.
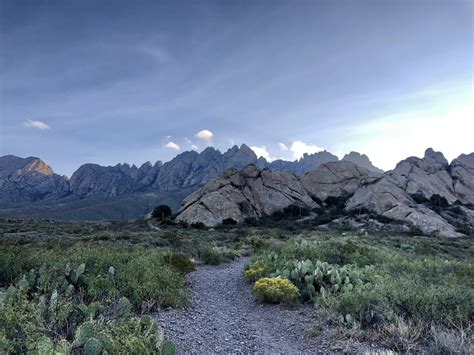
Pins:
<point x="425" y="193"/>
<point x="30" y="179"/>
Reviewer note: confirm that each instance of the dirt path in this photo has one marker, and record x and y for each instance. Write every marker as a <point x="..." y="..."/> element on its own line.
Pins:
<point x="224" y="318"/>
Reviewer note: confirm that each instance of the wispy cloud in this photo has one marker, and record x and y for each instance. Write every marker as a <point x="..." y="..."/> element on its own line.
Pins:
<point x="283" y="146"/>
<point x="172" y="145"/>
<point x="36" y="124"/>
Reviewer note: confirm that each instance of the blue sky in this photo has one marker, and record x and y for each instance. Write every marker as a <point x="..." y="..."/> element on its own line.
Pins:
<point x="131" y="81"/>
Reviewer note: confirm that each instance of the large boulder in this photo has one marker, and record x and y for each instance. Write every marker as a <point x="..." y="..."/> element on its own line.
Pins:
<point x="462" y="173"/>
<point x="251" y="192"/>
<point x="426" y="177"/>
<point x="342" y="178"/>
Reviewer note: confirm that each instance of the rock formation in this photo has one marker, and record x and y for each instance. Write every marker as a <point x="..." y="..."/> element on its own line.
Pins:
<point x="336" y="179"/>
<point x="361" y="160"/>
<point x="397" y="194"/>
<point x="250" y="192"/>
<point x="428" y="193"/>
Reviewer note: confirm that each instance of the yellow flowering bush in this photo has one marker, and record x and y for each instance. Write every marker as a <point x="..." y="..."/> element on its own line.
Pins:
<point x="275" y="290"/>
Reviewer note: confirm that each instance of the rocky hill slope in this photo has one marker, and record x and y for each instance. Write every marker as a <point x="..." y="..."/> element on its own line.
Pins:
<point x="427" y="193"/>
<point x="29" y="187"/>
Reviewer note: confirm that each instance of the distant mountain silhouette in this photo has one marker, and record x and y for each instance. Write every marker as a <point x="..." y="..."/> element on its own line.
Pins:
<point x="27" y="180"/>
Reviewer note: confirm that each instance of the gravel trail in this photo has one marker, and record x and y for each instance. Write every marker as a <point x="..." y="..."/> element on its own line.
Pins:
<point x="223" y="317"/>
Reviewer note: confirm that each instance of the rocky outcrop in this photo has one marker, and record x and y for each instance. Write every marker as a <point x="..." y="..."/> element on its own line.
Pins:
<point x="385" y="198"/>
<point x="411" y="194"/>
<point x="336" y="179"/>
<point x="251" y="192"/>
<point x="393" y="196"/>
<point x="29" y="179"/>
<point x="306" y="163"/>
<point x="361" y="160"/>
<point x="426" y="177"/>
<point x="255" y="192"/>
<point x="462" y="173"/>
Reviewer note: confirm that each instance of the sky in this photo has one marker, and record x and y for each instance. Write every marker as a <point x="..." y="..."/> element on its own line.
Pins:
<point x="111" y="81"/>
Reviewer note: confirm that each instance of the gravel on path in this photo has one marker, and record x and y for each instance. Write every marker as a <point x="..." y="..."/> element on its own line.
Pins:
<point x="223" y="317"/>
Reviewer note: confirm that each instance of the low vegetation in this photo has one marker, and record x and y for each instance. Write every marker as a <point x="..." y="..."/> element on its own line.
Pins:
<point x="378" y="285"/>
<point x="275" y="290"/>
<point x="85" y="287"/>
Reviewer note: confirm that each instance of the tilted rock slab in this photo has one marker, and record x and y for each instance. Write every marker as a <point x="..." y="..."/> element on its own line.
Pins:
<point x="251" y="192"/>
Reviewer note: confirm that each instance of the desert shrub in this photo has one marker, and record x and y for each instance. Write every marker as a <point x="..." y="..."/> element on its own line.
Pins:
<point x="394" y="278"/>
<point x="444" y="341"/>
<point x="198" y="225"/>
<point x="439" y="201"/>
<point x="275" y="290"/>
<point x="251" y="221"/>
<point x="132" y="335"/>
<point x="402" y="335"/>
<point x="162" y="212"/>
<point x="419" y="198"/>
<point x="255" y="271"/>
<point x="367" y="306"/>
<point x="229" y="221"/>
<point x="211" y="256"/>
<point x="56" y="290"/>
<point x="180" y="262"/>
<point x="337" y="203"/>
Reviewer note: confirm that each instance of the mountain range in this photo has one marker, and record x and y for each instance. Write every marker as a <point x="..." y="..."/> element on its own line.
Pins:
<point x="30" y="188"/>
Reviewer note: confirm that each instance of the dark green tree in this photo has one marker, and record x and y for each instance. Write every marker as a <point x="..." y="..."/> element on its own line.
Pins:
<point x="162" y="212"/>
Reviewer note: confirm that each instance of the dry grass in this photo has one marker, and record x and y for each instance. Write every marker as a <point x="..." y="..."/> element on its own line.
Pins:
<point x="402" y="335"/>
<point x="458" y="340"/>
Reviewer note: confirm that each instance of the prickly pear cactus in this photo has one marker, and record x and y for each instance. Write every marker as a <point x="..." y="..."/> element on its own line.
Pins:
<point x="124" y="308"/>
<point x="93" y="346"/>
<point x="83" y="333"/>
<point x="23" y="284"/>
<point x="44" y="346"/>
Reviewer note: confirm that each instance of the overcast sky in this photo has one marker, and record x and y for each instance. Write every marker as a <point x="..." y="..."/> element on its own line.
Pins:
<point x="131" y="81"/>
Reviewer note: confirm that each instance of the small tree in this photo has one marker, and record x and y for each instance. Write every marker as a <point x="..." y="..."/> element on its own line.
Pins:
<point x="162" y="212"/>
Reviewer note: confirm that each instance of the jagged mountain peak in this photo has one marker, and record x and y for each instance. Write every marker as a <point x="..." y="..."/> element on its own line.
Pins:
<point x="11" y="164"/>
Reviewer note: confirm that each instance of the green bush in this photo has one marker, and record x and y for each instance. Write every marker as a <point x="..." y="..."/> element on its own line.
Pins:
<point x="162" y="212"/>
<point x="368" y="285"/>
<point x="58" y="289"/>
<point x="180" y="262"/>
<point x="210" y="256"/>
<point x="255" y="271"/>
<point x="275" y="290"/>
